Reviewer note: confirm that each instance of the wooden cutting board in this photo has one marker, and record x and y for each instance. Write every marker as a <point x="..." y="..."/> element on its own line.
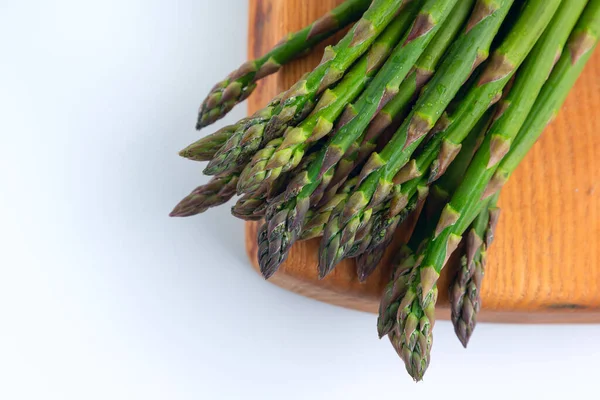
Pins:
<point x="544" y="265"/>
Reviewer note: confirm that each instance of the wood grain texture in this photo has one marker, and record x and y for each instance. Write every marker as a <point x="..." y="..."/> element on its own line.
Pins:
<point x="544" y="265"/>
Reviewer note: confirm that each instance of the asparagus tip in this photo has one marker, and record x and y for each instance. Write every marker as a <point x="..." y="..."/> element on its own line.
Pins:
<point x="178" y="211"/>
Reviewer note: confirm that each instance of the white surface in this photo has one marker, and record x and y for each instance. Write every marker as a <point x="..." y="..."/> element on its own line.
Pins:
<point x="102" y="296"/>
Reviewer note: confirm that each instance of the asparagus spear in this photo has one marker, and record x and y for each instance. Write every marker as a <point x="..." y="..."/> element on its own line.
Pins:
<point x="319" y="123"/>
<point x="281" y="120"/>
<point x="292" y="106"/>
<point x="216" y="192"/>
<point x="580" y="46"/>
<point x="369" y="258"/>
<point x="342" y="166"/>
<point x="398" y="107"/>
<point x="403" y="265"/>
<point x="386" y="85"/>
<point x="383" y="227"/>
<point x="464" y="292"/>
<point x="286" y="218"/>
<point x="458" y="213"/>
<point x="517" y="106"/>
<point x="440" y="152"/>
<point x="413" y="339"/>
<point x="466" y="53"/>
<point x="334" y="194"/>
<point x="315" y="222"/>
<point x="452" y="170"/>
<point x="393" y="306"/>
<point x="405" y="261"/>
<point x="240" y="83"/>
<point x="423" y="69"/>
<point x="447" y="144"/>
<point x="253" y="206"/>
<point x="365" y="240"/>
<point x="373" y="243"/>
<point x="380" y="233"/>
<point x="370" y="246"/>
<point x="250" y="207"/>
<point x="206" y="148"/>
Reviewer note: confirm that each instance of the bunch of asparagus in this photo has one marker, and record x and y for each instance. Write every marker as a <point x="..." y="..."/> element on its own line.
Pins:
<point x="424" y="106"/>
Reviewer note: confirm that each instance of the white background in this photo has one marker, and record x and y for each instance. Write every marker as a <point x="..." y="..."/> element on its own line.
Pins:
<point x="102" y="296"/>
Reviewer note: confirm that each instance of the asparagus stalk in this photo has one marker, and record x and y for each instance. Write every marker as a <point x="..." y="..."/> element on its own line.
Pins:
<point x="464" y="292"/>
<point x="414" y="338"/>
<point x="393" y="307"/>
<point x="253" y="206"/>
<point x="405" y="263"/>
<point x="395" y="289"/>
<point x="516" y="108"/>
<point x="219" y="190"/>
<point x="386" y="85"/>
<point x="228" y="157"/>
<point x="239" y="84"/>
<point x="343" y="168"/>
<point x="370" y="255"/>
<point x="410" y="253"/>
<point x="398" y="107"/>
<point x="281" y="120"/>
<point x="458" y="213"/>
<point x="422" y="71"/>
<point x="441" y="191"/>
<point x="315" y="222"/>
<point x="497" y="74"/>
<point x="466" y="53"/>
<point x="206" y="148"/>
<point x="319" y="123"/>
<point x="401" y="203"/>
<point x="334" y="194"/>
<point x="579" y="48"/>
<point x="250" y="207"/>
<point x="286" y="218"/>
<point x="294" y="105"/>
<point x="366" y="241"/>
<point x="440" y="152"/>
<point x="373" y="243"/>
<point x="373" y="239"/>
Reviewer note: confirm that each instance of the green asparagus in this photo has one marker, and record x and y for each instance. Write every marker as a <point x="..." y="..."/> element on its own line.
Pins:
<point x="464" y="292"/>
<point x="320" y="122"/>
<point x="295" y="104"/>
<point x="218" y="191"/>
<point x="240" y="83"/>
<point x="286" y="218"/>
<point x="206" y="148"/>
<point x="466" y="53"/>
<point x="459" y="212"/>
<point x="398" y="107"/>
